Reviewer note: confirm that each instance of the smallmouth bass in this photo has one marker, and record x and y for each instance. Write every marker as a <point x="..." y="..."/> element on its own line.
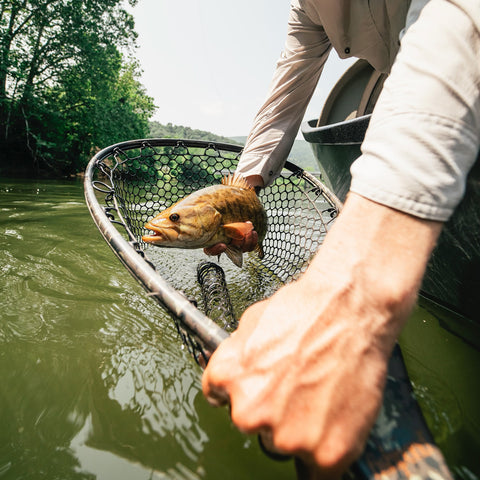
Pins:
<point x="215" y="214"/>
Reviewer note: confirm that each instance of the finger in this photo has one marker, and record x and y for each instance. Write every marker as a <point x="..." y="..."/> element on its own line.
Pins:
<point x="217" y="398"/>
<point x="216" y="249"/>
<point x="248" y="242"/>
<point x="220" y="371"/>
<point x="216" y="395"/>
<point x="216" y="377"/>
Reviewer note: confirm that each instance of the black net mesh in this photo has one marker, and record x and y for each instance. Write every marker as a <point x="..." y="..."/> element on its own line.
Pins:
<point x="135" y="180"/>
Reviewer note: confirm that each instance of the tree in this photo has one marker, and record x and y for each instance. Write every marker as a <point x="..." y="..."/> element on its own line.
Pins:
<point x="157" y="130"/>
<point x="68" y="83"/>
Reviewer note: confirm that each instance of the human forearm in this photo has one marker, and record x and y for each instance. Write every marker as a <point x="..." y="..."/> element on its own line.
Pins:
<point x="306" y="368"/>
<point x="379" y="251"/>
<point x="277" y="121"/>
<point x="424" y="134"/>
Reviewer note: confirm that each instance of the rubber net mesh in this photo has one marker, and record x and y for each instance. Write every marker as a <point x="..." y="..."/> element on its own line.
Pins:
<point x="138" y="180"/>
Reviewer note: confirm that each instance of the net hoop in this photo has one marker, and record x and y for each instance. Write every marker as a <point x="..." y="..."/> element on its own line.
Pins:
<point x="100" y="180"/>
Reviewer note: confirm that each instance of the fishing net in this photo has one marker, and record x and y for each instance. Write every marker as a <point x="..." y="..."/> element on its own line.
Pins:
<point x="127" y="184"/>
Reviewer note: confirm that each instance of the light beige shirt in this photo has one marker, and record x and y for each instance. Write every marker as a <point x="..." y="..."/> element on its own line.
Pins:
<point x="424" y="133"/>
<point x="367" y="29"/>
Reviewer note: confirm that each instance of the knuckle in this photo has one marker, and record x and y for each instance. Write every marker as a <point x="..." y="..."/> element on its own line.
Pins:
<point x="248" y="415"/>
<point x="215" y="373"/>
<point x="242" y="417"/>
<point x="292" y="440"/>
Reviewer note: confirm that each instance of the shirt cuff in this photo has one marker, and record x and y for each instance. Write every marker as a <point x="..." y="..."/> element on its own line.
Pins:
<point x="251" y="164"/>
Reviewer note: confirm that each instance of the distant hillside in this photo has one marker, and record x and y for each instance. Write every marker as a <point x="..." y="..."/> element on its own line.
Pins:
<point x="301" y="153"/>
<point x="157" y="130"/>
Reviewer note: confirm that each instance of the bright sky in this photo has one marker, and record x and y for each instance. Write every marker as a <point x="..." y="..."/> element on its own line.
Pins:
<point x="208" y="63"/>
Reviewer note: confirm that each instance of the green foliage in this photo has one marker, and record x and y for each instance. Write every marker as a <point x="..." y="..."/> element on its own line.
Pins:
<point x="301" y="153"/>
<point x="176" y="167"/>
<point x="188" y="168"/>
<point x="157" y="130"/>
<point x="67" y="85"/>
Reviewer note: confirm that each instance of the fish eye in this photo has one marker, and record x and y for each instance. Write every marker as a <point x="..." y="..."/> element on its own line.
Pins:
<point x="174" y="217"/>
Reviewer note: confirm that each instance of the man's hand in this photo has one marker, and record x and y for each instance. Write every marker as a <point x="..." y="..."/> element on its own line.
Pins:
<point x="306" y="368"/>
<point x="296" y="372"/>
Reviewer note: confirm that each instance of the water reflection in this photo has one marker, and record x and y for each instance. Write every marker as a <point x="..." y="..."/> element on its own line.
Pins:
<point x="93" y="381"/>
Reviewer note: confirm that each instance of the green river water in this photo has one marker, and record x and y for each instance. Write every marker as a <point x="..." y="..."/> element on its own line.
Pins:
<point x="94" y="383"/>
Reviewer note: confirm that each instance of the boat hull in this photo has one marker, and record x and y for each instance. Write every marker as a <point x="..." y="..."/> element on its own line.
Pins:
<point x="452" y="278"/>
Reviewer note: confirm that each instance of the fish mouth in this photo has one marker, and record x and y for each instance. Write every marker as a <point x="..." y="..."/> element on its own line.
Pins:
<point x="160" y="234"/>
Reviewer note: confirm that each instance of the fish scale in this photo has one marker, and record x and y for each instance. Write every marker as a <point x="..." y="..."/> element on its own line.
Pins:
<point x="215" y="214"/>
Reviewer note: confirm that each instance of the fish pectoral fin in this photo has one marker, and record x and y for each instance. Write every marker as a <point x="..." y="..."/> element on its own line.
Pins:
<point x="237" y="230"/>
<point x="235" y="254"/>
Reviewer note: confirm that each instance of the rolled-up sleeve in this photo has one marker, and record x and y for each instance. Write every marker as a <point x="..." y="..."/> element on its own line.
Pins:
<point x="277" y="122"/>
<point x="424" y="134"/>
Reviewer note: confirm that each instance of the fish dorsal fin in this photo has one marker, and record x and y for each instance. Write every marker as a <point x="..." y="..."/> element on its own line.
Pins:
<point x="236" y="181"/>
